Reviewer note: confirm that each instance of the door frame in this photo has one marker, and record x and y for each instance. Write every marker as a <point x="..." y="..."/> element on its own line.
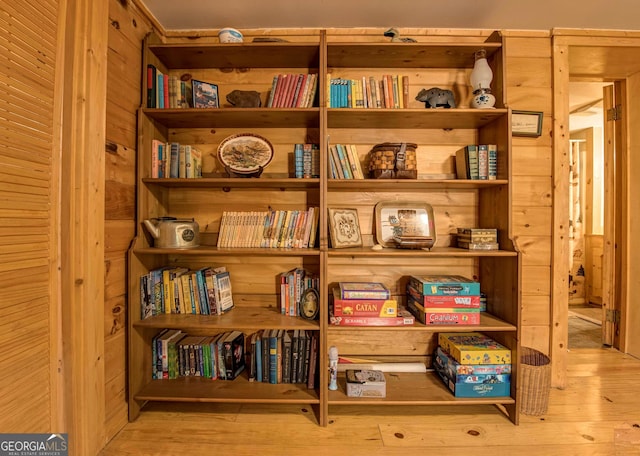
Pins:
<point x="597" y="43"/>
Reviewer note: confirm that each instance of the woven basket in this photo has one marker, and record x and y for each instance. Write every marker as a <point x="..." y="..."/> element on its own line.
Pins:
<point x="393" y="161"/>
<point x="535" y="373"/>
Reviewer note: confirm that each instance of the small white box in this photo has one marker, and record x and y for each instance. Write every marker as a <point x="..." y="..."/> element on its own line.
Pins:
<point x="366" y="383"/>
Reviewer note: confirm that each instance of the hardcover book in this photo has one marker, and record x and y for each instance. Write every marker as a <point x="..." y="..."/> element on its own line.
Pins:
<point x="234" y="361"/>
<point x="363" y="290"/>
<point x="474" y="348"/>
<point x="364" y="307"/>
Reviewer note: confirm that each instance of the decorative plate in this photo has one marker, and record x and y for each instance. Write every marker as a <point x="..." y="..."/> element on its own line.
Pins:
<point x="245" y="153"/>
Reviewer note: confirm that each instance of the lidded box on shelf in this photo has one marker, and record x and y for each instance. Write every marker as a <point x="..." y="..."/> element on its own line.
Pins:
<point x="477" y="238"/>
<point x="366" y="383"/>
<point x="474" y="348"/>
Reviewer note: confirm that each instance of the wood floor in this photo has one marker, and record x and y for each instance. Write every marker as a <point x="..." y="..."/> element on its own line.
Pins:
<point x="597" y="414"/>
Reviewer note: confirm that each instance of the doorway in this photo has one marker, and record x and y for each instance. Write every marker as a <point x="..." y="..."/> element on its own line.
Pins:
<point x="586" y="214"/>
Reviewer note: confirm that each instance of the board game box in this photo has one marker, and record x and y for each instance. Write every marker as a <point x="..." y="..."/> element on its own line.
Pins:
<point x="445" y="285"/>
<point x="474" y="389"/>
<point x="443" y="316"/>
<point x="474" y="348"/>
<point x="454" y="368"/>
<point x="363" y="290"/>
<point x="363" y="307"/>
<point x="443" y="301"/>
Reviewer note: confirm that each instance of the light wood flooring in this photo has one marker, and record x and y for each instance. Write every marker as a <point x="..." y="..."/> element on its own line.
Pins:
<point x="597" y="414"/>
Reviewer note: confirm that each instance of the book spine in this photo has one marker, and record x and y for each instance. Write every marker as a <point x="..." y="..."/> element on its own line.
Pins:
<point x="151" y="86"/>
<point x="474" y="169"/>
<point x="405" y="91"/>
<point x="483" y="162"/>
<point x="493" y="161"/>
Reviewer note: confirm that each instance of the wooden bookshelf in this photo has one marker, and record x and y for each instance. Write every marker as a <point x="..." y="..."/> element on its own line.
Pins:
<point x="254" y="271"/>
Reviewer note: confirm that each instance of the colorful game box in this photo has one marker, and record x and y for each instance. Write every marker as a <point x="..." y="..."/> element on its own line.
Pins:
<point x="443" y="316"/>
<point x="443" y="301"/>
<point x="474" y="348"/>
<point x="474" y="389"/>
<point x="363" y="307"/>
<point x="445" y="285"/>
<point x="455" y="369"/>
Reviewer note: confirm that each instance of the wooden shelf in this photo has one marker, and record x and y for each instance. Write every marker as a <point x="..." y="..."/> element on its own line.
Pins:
<point x="411" y="388"/>
<point x="206" y="250"/>
<point x="455" y="118"/>
<point x="235" y="117"/>
<point x="406" y="55"/>
<point x="246" y="318"/>
<point x="231" y="183"/>
<point x="412" y="185"/>
<point x="411" y="253"/>
<point x="237" y="55"/>
<point x="240" y="390"/>
<point x="488" y="322"/>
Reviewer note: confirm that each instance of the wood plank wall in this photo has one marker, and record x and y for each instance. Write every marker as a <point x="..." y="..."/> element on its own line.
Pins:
<point x="28" y="202"/>
<point x="529" y="88"/>
<point x="128" y="26"/>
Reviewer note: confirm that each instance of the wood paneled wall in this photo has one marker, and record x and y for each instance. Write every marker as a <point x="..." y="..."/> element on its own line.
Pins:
<point x="127" y="27"/>
<point x="529" y="88"/>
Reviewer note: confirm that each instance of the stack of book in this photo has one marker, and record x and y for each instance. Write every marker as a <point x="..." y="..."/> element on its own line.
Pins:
<point x="391" y="92"/>
<point x="307" y="160"/>
<point x="269" y="229"/>
<point x="345" y="162"/>
<point x="176" y="354"/>
<point x="366" y="304"/>
<point x="444" y="300"/>
<point x="284" y="356"/>
<point x="175" y="160"/>
<point x="477" y="238"/>
<point x="473" y="365"/>
<point x="166" y="91"/>
<point x="293" y="91"/>
<point x="293" y="284"/>
<point x="179" y="290"/>
<point x="477" y="162"/>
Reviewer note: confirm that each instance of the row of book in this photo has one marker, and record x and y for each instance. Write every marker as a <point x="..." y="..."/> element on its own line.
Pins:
<point x="179" y="290"/>
<point x="477" y="162"/>
<point x="284" y="356"/>
<point x="177" y="354"/>
<point x="175" y="160"/>
<point x="293" y="284"/>
<point x="391" y="92"/>
<point x="307" y="160"/>
<point x="344" y="162"/>
<point x="167" y="91"/>
<point x="269" y="229"/>
<point x="293" y="91"/>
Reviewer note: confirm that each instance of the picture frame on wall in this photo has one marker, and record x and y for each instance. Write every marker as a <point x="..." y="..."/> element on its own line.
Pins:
<point x="205" y="94"/>
<point x="526" y="123"/>
<point x="344" y="228"/>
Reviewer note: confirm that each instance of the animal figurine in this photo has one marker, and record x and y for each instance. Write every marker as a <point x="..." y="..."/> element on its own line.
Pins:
<point x="436" y="97"/>
<point x="244" y="98"/>
<point x="395" y="36"/>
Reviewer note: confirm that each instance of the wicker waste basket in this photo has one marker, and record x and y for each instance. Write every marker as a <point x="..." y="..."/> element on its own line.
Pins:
<point x="535" y="371"/>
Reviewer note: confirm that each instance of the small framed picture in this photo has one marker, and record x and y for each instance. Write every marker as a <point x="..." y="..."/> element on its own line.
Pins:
<point x="344" y="228"/>
<point x="205" y="94"/>
<point x="526" y="123"/>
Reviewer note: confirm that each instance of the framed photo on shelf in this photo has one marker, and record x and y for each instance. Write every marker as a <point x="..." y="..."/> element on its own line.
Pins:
<point x="344" y="228"/>
<point x="526" y="123"/>
<point x="205" y="94"/>
<point x="404" y="222"/>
